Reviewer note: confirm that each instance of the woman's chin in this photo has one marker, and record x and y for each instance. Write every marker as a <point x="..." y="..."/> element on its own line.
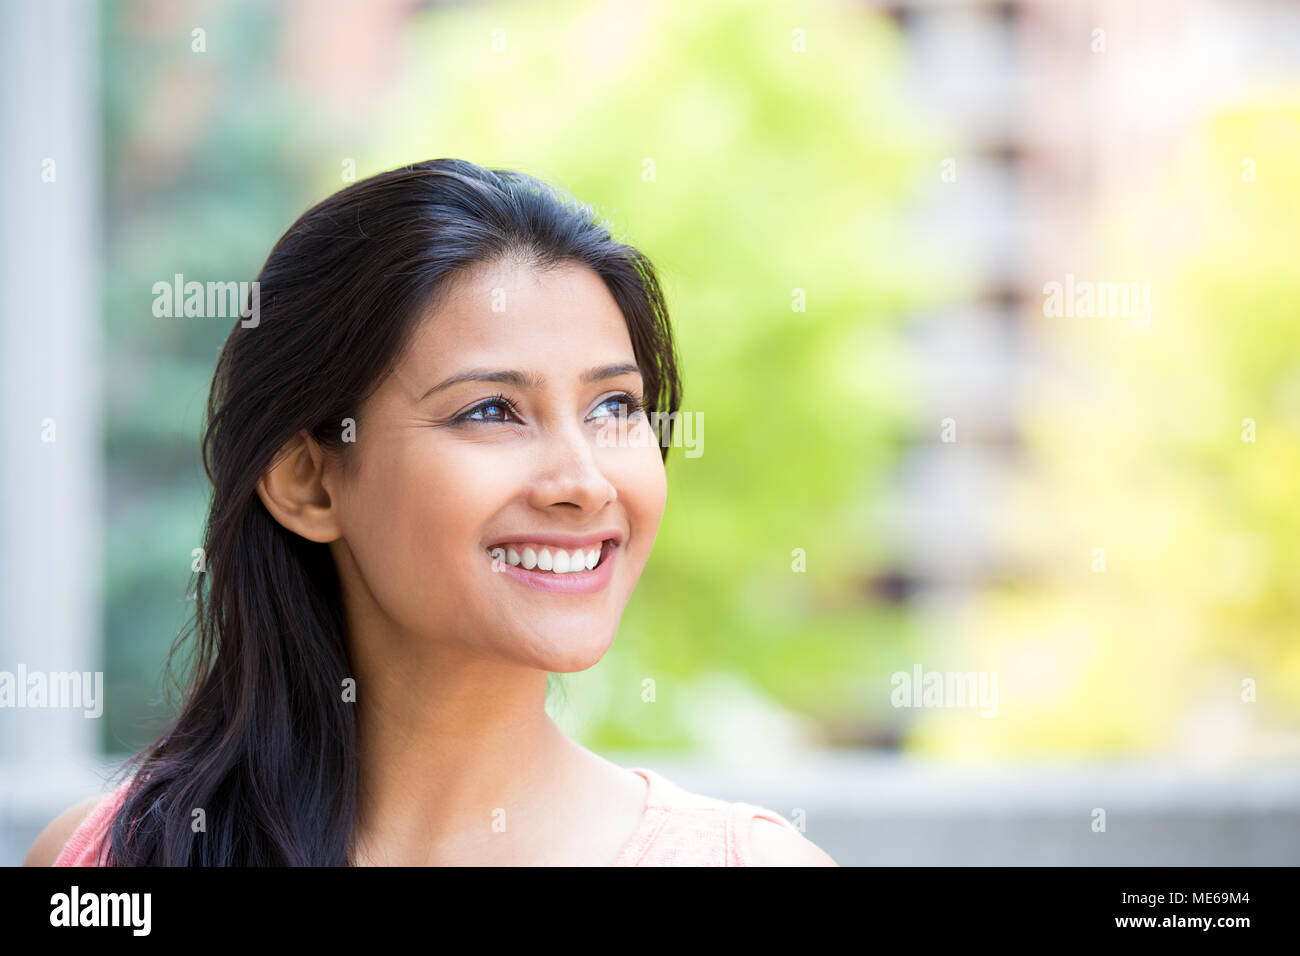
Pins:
<point x="576" y="653"/>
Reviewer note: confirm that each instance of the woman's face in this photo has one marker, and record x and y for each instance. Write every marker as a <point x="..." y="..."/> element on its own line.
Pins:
<point x="444" y="471"/>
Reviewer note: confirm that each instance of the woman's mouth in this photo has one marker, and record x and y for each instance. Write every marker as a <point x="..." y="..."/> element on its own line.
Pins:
<point x="545" y="559"/>
<point x="558" y="570"/>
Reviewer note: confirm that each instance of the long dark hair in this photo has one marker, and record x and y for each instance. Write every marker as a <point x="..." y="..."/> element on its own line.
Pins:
<point x="264" y="743"/>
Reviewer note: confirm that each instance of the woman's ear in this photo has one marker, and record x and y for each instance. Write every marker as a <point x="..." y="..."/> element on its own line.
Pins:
<point x="293" y="489"/>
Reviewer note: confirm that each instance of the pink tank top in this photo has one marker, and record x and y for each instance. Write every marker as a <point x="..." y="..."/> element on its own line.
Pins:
<point x="678" y="828"/>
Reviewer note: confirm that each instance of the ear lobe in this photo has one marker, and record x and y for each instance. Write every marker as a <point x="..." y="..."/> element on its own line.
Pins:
<point x="294" y="492"/>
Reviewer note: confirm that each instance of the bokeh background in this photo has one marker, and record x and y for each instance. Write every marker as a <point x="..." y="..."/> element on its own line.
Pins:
<point x="908" y="459"/>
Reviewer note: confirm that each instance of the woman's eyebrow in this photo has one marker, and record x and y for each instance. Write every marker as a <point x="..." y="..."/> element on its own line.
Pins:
<point x="530" y="380"/>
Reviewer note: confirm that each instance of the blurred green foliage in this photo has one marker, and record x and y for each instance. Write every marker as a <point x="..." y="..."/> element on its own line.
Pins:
<point x="747" y="169"/>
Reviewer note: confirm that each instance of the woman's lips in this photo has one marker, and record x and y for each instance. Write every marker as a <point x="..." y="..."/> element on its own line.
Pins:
<point x="574" y="582"/>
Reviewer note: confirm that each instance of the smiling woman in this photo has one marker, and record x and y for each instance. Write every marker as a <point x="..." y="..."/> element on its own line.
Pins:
<point x="415" y="521"/>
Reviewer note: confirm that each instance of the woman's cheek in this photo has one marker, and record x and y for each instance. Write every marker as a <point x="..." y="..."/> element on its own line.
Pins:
<point x="643" y="492"/>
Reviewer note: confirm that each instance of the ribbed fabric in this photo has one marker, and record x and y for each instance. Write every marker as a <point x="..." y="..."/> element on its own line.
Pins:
<point x="678" y="828"/>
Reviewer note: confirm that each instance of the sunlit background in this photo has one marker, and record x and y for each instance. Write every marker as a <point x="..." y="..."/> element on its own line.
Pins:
<point x="989" y="312"/>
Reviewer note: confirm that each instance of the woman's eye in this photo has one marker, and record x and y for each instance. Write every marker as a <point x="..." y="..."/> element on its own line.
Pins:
<point x="632" y="405"/>
<point x="493" y="410"/>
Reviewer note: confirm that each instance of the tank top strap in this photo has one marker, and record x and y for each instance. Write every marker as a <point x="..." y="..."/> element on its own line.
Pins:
<point x="741" y="825"/>
<point x="681" y="828"/>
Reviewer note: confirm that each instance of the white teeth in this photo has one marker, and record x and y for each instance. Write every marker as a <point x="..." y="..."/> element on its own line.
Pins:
<point x="555" y="560"/>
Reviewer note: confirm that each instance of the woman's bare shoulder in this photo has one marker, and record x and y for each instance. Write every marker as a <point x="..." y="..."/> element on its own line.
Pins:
<point x="59" y="830"/>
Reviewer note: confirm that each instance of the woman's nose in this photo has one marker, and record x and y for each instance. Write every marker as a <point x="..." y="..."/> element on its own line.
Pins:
<point x="569" y="471"/>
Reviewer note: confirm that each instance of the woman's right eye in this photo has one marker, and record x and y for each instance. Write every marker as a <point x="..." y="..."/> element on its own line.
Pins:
<point x="498" y="402"/>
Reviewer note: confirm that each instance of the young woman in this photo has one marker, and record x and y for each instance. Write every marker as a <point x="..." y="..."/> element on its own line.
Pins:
<point x="436" y="482"/>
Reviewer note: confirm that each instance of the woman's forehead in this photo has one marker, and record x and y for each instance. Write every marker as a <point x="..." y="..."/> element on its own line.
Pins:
<point x="521" y="316"/>
<point x="553" y="327"/>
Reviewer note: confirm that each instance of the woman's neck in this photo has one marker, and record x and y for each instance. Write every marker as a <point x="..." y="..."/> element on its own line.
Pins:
<point x="458" y="759"/>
